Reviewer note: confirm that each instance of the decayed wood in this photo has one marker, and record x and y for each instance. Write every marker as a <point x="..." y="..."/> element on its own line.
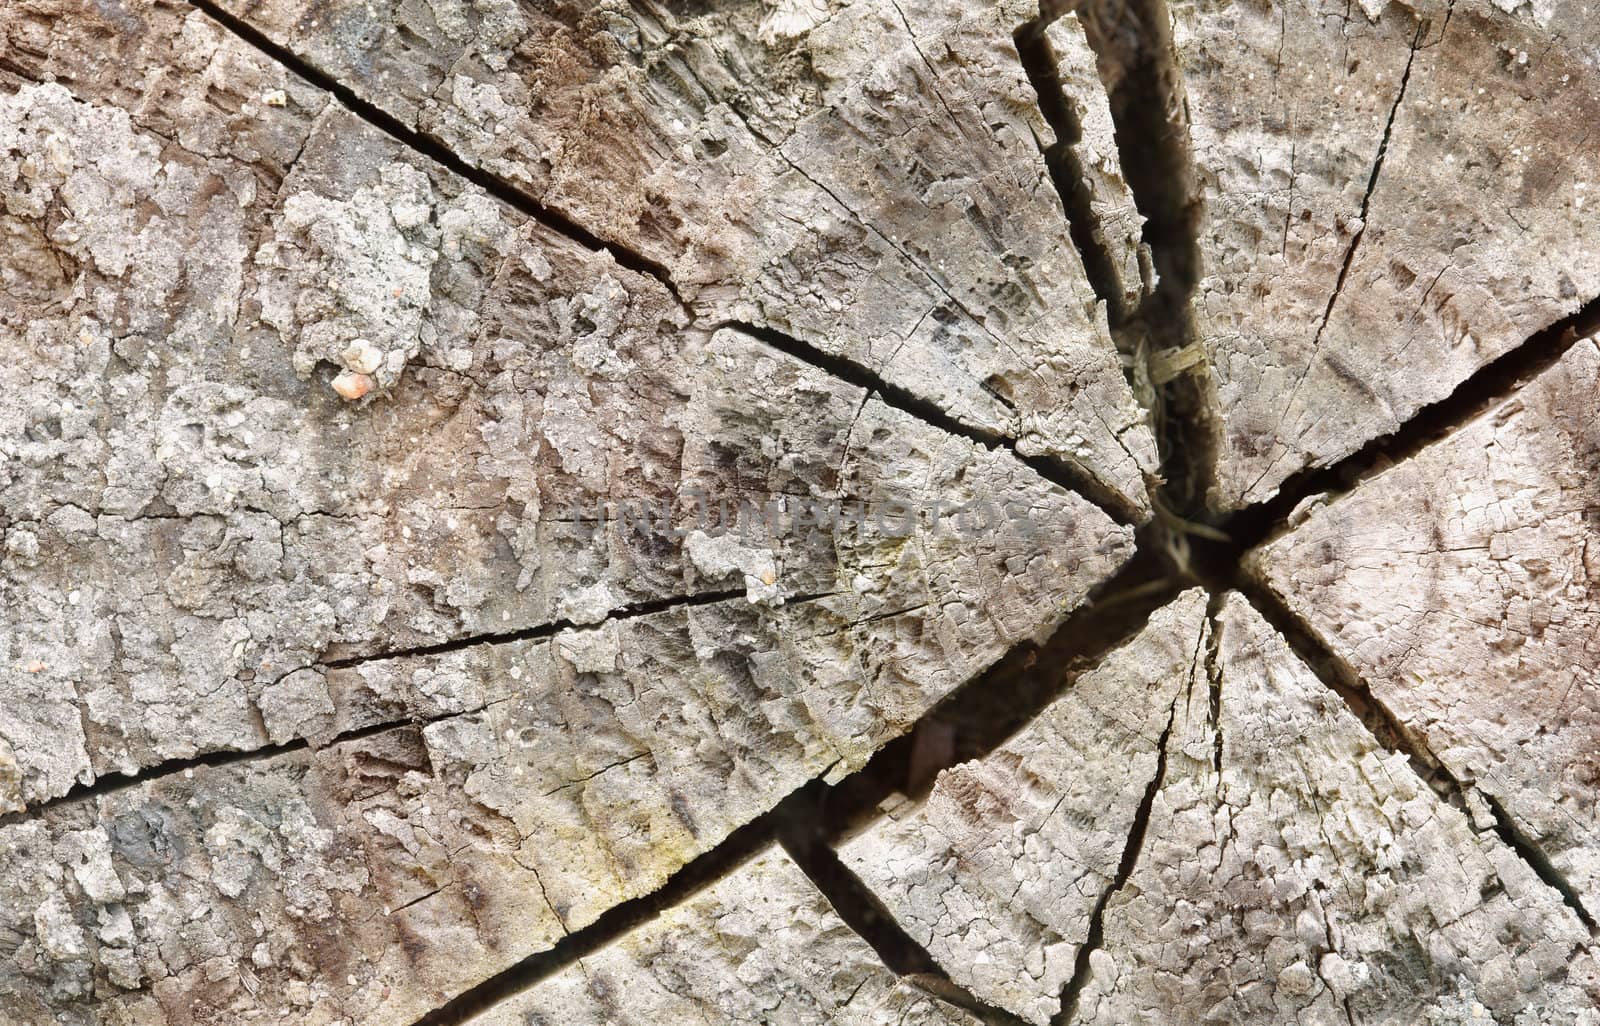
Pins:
<point x="1461" y="586"/>
<point x="211" y="539"/>
<point x="1294" y="871"/>
<point x="864" y="176"/>
<point x="1291" y="870"/>
<point x="322" y="374"/>
<point x="999" y="871"/>
<point x="1391" y="196"/>
<point x="760" y="946"/>
<point x="181" y="430"/>
<point x="370" y="880"/>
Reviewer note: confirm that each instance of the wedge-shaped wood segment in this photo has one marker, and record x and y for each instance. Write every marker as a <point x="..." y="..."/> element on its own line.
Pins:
<point x="999" y="872"/>
<point x="372" y="879"/>
<point x="192" y="511"/>
<point x="761" y="946"/>
<point x="1114" y="216"/>
<point x="1248" y="849"/>
<point x="1294" y="871"/>
<point x="865" y="177"/>
<point x="1393" y="195"/>
<point x="1463" y="585"/>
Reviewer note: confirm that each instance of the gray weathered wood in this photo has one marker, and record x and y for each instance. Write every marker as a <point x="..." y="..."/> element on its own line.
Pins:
<point x="761" y="946"/>
<point x="1392" y="195"/>
<point x="313" y="404"/>
<point x="863" y="176"/>
<point x="998" y="872"/>
<point x="1460" y="585"/>
<point x="1291" y="870"/>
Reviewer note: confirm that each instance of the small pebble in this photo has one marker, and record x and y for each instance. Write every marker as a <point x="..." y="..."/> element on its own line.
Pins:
<point x="352" y="385"/>
<point x="362" y="356"/>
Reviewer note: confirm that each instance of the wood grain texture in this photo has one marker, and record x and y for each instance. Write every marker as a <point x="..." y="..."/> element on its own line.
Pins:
<point x="761" y="946"/>
<point x="1393" y="195"/>
<point x="1461" y="586"/>
<point x="1290" y="869"/>
<point x="1296" y="872"/>
<point x="474" y="472"/>
<point x="865" y="177"/>
<point x="998" y="872"/>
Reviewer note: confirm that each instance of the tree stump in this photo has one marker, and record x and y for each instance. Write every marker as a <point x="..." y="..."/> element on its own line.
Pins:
<point x="799" y="511"/>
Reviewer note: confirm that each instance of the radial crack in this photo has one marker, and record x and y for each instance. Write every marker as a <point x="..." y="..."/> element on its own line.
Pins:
<point x="1391" y="732"/>
<point x="1492" y="384"/>
<point x="695" y="875"/>
<point x="435" y="150"/>
<point x="1366" y="199"/>
<point x="1138" y="66"/>
<point x="864" y="913"/>
<point x="1070" y="476"/>
<point x="1067" y="173"/>
<point x="626" y="612"/>
<point x="1072" y="993"/>
<point x="111" y="783"/>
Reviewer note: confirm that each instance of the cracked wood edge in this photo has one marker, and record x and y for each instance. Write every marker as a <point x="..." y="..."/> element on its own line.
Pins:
<point x="1287" y="867"/>
<point x="759" y="945"/>
<point x="248" y="544"/>
<point x="1297" y="871"/>
<point x="547" y="782"/>
<point x="1393" y="197"/>
<point x="1458" y="585"/>
<point x="888" y="206"/>
<point x="1000" y="873"/>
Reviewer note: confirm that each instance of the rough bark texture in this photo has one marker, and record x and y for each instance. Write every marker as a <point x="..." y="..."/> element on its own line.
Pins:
<point x="613" y="511"/>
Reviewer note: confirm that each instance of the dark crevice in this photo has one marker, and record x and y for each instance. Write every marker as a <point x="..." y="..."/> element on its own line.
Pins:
<point x="112" y="782"/>
<point x="1341" y="678"/>
<point x="982" y="714"/>
<point x="1139" y="69"/>
<point x="1066" y="170"/>
<point x="1138" y="65"/>
<point x="1490" y="385"/>
<point x="969" y="722"/>
<point x="625" y="612"/>
<point x="866" y="915"/>
<point x="1060" y="471"/>
<point x="1069" y="476"/>
<point x="434" y="150"/>
<point x="1372" y="185"/>
<point x="1518" y="840"/>
<point x="697" y="874"/>
<point x="808" y="821"/>
<point x="1072" y="993"/>
<point x="1214" y="673"/>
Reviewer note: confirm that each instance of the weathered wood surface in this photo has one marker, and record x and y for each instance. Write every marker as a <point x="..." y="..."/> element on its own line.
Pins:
<point x="1463" y="585"/>
<point x="1296" y="872"/>
<point x="314" y="402"/>
<point x="1392" y="196"/>
<point x="862" y="176"/>
<point x="197" y="524"/>
<point x="760" y="946"/>
<point x="182" y="430"/>
<point x="1290" y="871"/>
<point x="998" y="873"/>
